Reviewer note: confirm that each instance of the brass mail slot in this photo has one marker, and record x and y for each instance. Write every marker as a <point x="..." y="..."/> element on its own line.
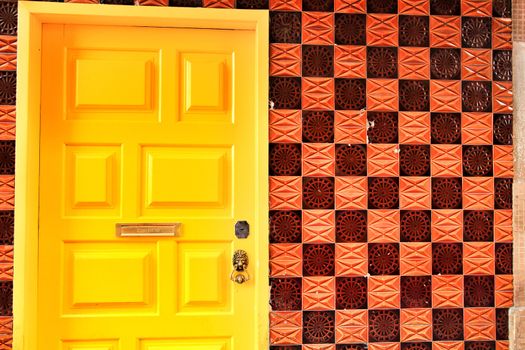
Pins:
<point x="149" y="230"/>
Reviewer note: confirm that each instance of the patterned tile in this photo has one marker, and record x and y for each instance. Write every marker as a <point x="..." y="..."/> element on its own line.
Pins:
<point x="285" y="60"/>
<point x="318" y="226"/>
<point x="480" y="324"/>
<point x="351" y="259"/>
<point x="318" y="293"/>
<point x="286" y="327"/>
<point x="285" y="260"/>
<point x="414" y="127"/>
<point x="383" y="226"/>
<point x="350" y="61"/>
<point x="285" y="5"/>
<point x="415" y="193"/>
<point x="416" y="325"/>
<point x="285" y="126"/>
<point x="350" y="127"/>
<point x="445" y="31"/>
<point x="383" y="292"/>
<point x="478" y="258"/>
<point x="285" y="192"/>
<point x="318" y="28"/>
<point x="447" y="291"/>
<point x="351" y="193"/>
<point x="351" y="326"/>
<point x="414" y="63"/>
<point x="318" y="159"/>
<point x="416" y="259"/>
<point x="318" y="93"/>
<point x="382" y="30"/>
<point x="476" y="128"/>
<point x="382" y="95"/>
<point x="445" y="96"/>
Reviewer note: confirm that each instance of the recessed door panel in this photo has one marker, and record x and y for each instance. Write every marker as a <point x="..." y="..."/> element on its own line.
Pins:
<point x="201" y="269"/>
<point x="113" y="84"/>
<point x="109" y="277"/>
<point x="93" y="180"/>
<point x="189" y="180"/>
<point x="206" y="87"/>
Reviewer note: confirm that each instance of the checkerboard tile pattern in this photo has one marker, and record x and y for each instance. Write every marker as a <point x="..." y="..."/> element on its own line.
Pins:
<point x="390" y="171"/>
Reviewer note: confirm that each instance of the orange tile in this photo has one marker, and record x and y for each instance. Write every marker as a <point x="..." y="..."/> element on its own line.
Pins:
<point x="414" y="7"/>
<point x="318" y="347"/>
<point x="286" y="327"/>
<point x="503" y="291"/>
<point x="83" y="1"/>
<point x="383" y="225"/>
<point x="152" y="2"/>
<point x="318" y="93"/>
<point x="318" y="293"/>
<point x="285" y="126"/>
<point x="318" y="159"/>
<point x="478" y="193"/>
<point x="502" y="97"/>
<point x="285" y="60"/>
<point x="383" y="292"/>
<point x="415" y="259"/>
<point x="383" y="160"/>
<point x="446" y="160"/>
<point x="6" y="325"/>
<point x="350" y="61"/>
<point x="351" y="192"/>
<point x="351" y="326"/>
<point x="350" y="127"/>
<point x="478" y="258"/>
<point x="476" y="128"/>
<point x="384" y="346"/>
<point x="415" y="193"/>
<point x="219" y="3"/>
<point x="503" y="161"/>
<point x="502" y="345"/>
<point x="8" y="44"/>
<point x="286" y="260"/>
<point x="7" y="131"/>
<point x="476" y="8"/>
<point x="445" y="31"/>
<point x="318" y="226"/>
<point x="503" y="225"/>
<point x="447" y="225"/>
<point x="6" y="254"/>
<point x="416" y="325"/>
<point x="381" y="30"/>
<point x="447" y="291"/>
<point x="7" y="61"/>
<point x="7" y="183"/>
<point x="6" y="271"/>
<point x="7" y="201"/>
<point x="414" y="127"/>
<point x="350" y="6"/>
<point x="476" y="64"/>
<point x="480" y="324"/>
<point x="448" y="345"/>
<point x="285" y="5"/>
<point x="6" y="342"/>
<point x="445" y="96"/>
<point x="414" y="63"/>
<point x="351" y="259"/>
<point x="7" y="114"/>
<point x="285" y="192"/>
<point x="502" y="33"/>
<point x="382" y="94"/>
<point x="318" y="28"/>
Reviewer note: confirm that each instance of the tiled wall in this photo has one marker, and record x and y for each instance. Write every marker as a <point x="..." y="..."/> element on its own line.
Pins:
<point x="391" y="171"/>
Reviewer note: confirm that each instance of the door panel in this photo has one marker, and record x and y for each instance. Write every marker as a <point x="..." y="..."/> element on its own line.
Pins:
<point x="145" y="125"/>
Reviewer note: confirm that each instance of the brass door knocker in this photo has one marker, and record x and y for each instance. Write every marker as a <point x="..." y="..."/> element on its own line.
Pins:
<point x="240" y="264"/>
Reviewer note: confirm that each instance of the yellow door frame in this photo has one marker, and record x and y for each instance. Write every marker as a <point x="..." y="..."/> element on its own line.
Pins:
<point x="31" y="17"/>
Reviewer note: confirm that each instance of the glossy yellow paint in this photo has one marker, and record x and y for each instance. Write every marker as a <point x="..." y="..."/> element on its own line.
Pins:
<point x="127" y="135"/>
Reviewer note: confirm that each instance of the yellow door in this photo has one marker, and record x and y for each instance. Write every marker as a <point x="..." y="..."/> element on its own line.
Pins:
<point x="146" y="125"/>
